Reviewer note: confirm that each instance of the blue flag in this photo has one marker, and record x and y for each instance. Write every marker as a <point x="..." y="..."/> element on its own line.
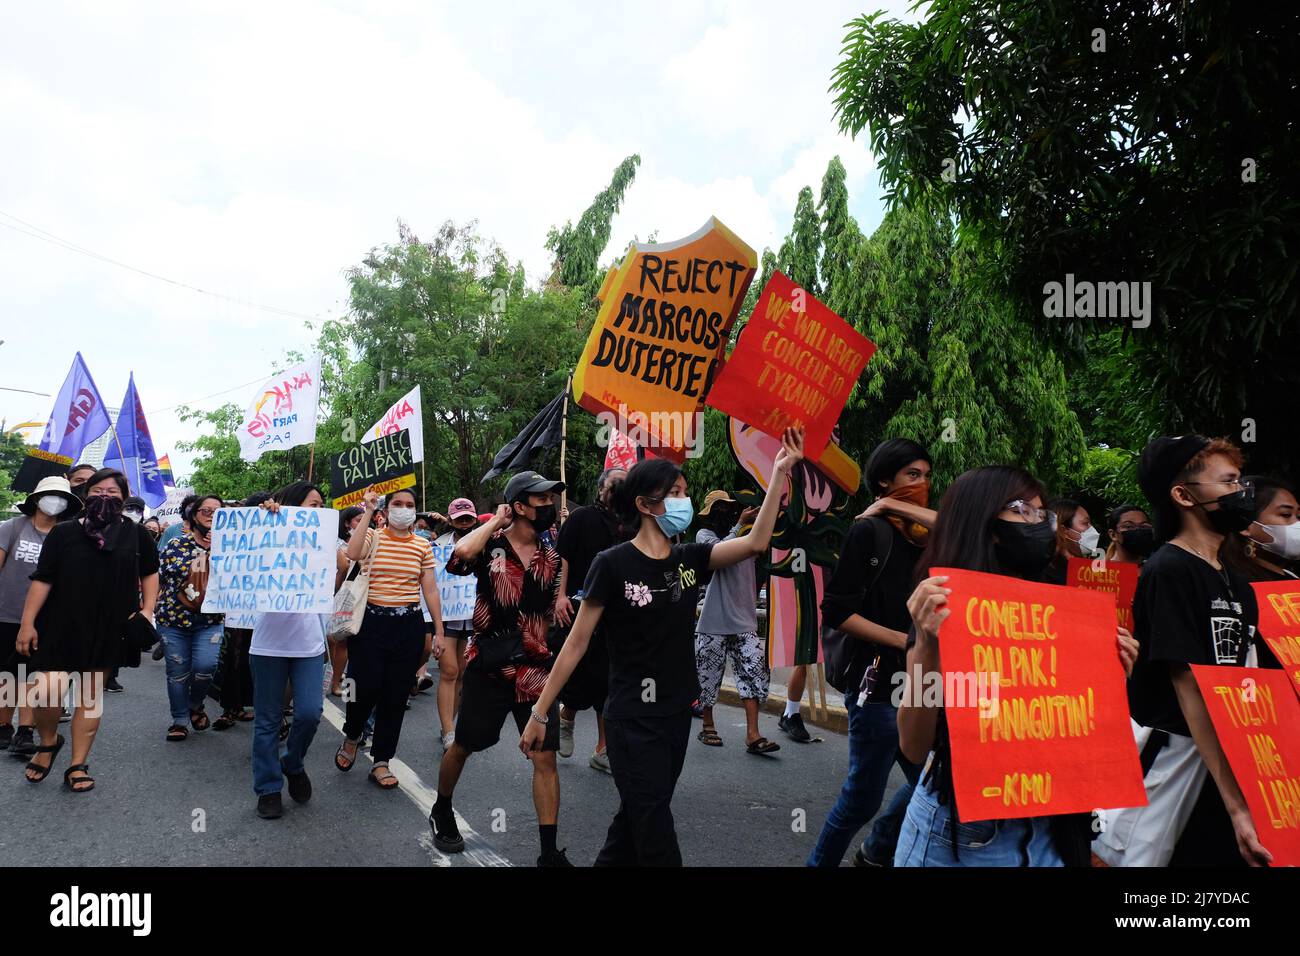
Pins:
<point x="79" y="415"/>
<point x="132" y="452"/>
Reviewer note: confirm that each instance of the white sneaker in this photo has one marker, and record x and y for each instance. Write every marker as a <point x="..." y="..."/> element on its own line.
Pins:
<point x="446" y="740"/>
<point x="65" y="715"/>
<point x="600" y="761"/>
<point x="566" y="738"/>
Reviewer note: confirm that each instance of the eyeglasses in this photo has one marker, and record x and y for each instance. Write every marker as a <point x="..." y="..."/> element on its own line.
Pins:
<point x="206" y="512"/>
<point x="1132" y="526"/>
<point x="1031" y="514"/>
<point x="1241" y="484"/>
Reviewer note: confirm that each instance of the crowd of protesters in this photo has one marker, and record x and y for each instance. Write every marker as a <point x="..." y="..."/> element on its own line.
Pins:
<point x="614" y="609"/>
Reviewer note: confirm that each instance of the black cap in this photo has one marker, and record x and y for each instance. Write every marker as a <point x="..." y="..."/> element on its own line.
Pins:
<point x="1161" y="461"/>
<point x="529" y="483"/>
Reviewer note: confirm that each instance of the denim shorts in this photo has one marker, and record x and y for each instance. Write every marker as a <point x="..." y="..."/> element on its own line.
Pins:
<point x="930" y="837"/>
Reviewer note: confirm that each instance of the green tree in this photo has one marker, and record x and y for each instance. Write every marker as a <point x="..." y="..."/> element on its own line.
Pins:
<point x="12" y="452"/>
<point x="577" y="249"/>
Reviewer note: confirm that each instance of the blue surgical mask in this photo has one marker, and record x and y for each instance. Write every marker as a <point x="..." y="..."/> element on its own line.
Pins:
<point x="677" y="516"/>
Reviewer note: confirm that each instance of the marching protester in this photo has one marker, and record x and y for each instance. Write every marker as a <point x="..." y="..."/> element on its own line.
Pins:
<point x="178" y="528"/>
<point x="133" y="508"/>
<point x="587" y="532"/>
<point x="1075" y="538"/>
<point x="866" y="598"/>
<point x="191" y="638"/>
<point x="1132" y="539"/>
<point x="151" y="525"/>
<point x="233" y="684"/>
<point x="1269" y="550"/>
<point x="287" y="653"/>
<point x="646" y="591"/>
<point x="1190" y="608"/>
<point x="728" y="627"/>
<point x="449" y="650"/>
<point x="506" y="663"/>
<point x="992" y="520"/>
<point x="77" y="477"/>
<point x="90" y="608"/>
<point x="386" y="651"/>
<point x="349" y="519"/>
<point x="21" y="541"/>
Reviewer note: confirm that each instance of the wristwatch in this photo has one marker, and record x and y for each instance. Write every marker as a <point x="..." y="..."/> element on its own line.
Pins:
<point x="539" y="717"/>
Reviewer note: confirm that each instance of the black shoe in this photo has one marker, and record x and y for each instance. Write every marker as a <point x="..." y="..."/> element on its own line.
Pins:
<point x="24" y="744"/>
<point x="860" y="858"/>
<point x="446" y="836"/>
<point x="794" y="728"/>
<point x="299" y="785"/>
<point x="554" y="858"/>
<point x="112" y="686"/>
<point x="269" y="806"/>
<point x="158" y="651"/>
<point x="6" y="736"/>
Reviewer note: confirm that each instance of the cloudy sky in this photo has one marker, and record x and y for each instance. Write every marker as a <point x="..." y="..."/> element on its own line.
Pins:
<point x="258" y="150"/>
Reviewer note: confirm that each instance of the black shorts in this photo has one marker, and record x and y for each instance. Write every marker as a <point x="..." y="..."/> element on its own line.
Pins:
<point x="485" y="703"/>
<point x="9" y="656"/>
<point x="588" y="685"/>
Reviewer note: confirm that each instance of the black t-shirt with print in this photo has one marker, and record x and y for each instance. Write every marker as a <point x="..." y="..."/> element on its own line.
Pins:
<point x="1185" y="612"/>
<point x="649" y="626"/>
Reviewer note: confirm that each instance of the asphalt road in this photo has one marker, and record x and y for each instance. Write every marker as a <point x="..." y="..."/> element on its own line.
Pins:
<point x="166" y="804"/>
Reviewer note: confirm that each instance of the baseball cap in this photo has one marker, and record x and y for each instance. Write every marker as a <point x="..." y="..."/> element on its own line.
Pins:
<point x="460" y="508"/>
<point x="1161" y="461"/>
<point x="713" y="497"/>
<point x="529" y="483"/>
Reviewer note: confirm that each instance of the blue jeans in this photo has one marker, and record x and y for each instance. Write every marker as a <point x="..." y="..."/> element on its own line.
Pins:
<point x="928" y="837"/>
<point x="191" y="661"/>
<point x="271" y="675"/>
<point x="873" y="749"/>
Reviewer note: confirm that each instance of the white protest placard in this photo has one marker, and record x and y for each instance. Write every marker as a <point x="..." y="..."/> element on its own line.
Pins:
<point x="272" y="561"/>
<point x="282" y="414"/>
<point x="456" y="592"/>
<point x="169" y="512"/>
<point x="405" y="413"/>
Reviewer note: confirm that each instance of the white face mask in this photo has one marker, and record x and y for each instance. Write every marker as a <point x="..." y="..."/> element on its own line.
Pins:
<point x="1088" y="540"/>
<point x="135" y="516"/>
<point x="52" y="505"/>
<point x="401" y="518"/>
<point x="1286" y="539"/>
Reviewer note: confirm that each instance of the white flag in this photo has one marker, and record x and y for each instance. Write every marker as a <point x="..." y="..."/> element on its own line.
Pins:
<point x="405" y="413"/>
<point x="282" y="414"/>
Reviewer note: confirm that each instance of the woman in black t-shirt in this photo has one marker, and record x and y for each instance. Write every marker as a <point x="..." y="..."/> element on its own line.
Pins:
<point x="644" y="592"/>
<point x="992" y="520"/>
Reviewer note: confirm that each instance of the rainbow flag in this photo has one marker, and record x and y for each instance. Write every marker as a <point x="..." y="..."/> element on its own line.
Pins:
<point x="165" y="469"/>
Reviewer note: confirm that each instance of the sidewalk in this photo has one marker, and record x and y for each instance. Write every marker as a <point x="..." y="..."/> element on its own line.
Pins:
<point x="837" y="718"/>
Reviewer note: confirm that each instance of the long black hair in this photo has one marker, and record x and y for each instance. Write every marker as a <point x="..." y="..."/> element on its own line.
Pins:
<point x="1237" y="550"/>
<point x="963" y="532"/>
<point x="294" y="494"/>
<point x="652" y="478"/>
<point x="345" y="521"/>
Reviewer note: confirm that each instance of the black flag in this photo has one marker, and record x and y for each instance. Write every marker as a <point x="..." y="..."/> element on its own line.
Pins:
<point x="542" y="432"/>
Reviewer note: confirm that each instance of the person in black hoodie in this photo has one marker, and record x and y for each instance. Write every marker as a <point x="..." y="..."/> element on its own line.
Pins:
<point x="866" y="598"/>
<point x="992" y="520"/>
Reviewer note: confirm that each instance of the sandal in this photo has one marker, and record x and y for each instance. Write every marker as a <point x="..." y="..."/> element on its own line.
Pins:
<point x="44" y="772"/>
<point x="383" y="781"/>
<point x="176" y="733"/>
<point x="224" y="722"/>
<point x="709" y="737"/>
<point x="199" y="719"/>
<point x="244" y="716"/>
<point x="341" y="758"/>
<point x="762" y="746"/>
<point x="75" y="785"/>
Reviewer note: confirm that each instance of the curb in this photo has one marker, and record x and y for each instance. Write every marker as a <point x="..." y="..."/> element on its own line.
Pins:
<point x="837" y="718"/>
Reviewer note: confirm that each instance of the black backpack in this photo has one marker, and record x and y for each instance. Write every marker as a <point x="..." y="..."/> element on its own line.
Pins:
<point x="843" y="652"/>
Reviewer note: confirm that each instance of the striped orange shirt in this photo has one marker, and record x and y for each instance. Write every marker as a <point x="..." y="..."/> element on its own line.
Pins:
<point x="399" y="562"/>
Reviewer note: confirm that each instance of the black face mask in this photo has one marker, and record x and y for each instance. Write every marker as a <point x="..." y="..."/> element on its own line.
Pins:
<point x="1235" y="512"/>
<point x="80" y="491"/>
<point x="1024" y="549"/>
<point x="545" y="518"/>
<point x="458" y="533"/>
<point x="1139" y="541"/>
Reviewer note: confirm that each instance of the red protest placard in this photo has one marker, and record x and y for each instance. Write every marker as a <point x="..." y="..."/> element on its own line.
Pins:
<point x="1034" y="694"/>
<point x="1257" y="721"/>
<point x="1279" y="623"/>
<point x="1119" y="578"/>
<point x="795" y="364"/>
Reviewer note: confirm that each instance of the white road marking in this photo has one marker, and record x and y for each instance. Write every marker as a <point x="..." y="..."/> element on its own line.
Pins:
<point x="477" y="851"/>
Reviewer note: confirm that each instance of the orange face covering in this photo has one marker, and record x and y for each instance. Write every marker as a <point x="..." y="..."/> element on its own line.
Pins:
<point x="918" y="494"/>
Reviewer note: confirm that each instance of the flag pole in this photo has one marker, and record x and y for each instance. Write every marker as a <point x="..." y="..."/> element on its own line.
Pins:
<point x="564" y="442"/>
<point x="424" y="489"/>
<point x="311" y="461"/>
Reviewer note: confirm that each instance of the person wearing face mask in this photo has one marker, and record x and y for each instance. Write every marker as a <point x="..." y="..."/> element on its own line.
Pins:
<point x="95" y="573"/>
<point x="587" y="532"/>
<point x="1269" y="550"/>
<point x="449" y="650"/>
<point x="21" y="541"/>
<point x="151" y="525"/>
<point x="866" y="598"/>
<point x="192" y="639"/>
<point x="1190" y="608"/>
<point x="1075" y="538"/>
<point x="992" y="520"/>
<point x="133" y="508"/>
<point x="646" y="591"/>
<point x="386" y="651"/>
<point x="1132" y="539"/>
<point x="508" y="657"/>
<point x="77" y="477"/>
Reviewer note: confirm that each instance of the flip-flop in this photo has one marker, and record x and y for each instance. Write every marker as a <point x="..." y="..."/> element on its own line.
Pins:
<point x="709" y="737"/>
<point x="762" y="747"/>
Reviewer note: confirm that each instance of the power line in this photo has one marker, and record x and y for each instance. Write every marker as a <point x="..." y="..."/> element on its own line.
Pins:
<point x="46" y="236"/>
